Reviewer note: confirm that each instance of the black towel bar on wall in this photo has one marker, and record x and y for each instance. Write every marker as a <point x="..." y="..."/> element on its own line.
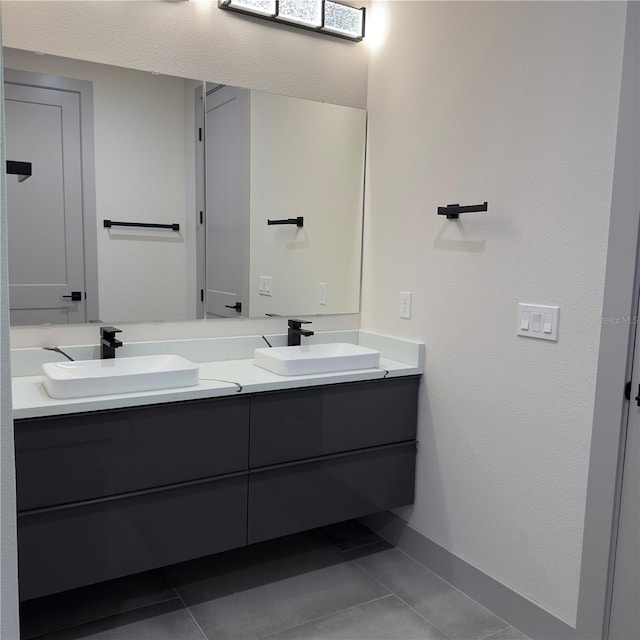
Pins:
<point x="148" y="225"/>
<point x="452" y="211"/>
<point x="299" y="221"/>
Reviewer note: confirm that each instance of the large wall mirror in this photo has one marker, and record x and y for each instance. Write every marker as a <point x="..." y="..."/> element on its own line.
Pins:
<point x="214" y="166"/>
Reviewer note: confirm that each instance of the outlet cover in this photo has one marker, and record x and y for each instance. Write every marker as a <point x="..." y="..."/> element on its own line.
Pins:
<point x="405" y="304"/>
<point x="322" y="293"/>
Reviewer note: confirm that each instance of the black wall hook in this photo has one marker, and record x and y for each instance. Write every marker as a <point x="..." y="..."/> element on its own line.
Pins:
<point x="452" y="211"/>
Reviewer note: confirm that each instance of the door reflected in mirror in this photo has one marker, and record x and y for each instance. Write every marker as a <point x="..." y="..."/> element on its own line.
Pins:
<point x="108" y="143"/>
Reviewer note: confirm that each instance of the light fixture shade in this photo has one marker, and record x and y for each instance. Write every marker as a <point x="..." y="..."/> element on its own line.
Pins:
<point x="263" y="7"/>
<point x="306" y="12"/>
<point x="340" y="18"/>
<point x="322" y="16"/>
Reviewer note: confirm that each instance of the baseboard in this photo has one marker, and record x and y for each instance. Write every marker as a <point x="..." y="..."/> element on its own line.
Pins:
<point x="519" y="612"/>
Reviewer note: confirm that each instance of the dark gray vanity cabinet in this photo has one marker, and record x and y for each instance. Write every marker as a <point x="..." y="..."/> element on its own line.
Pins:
<point x="309" y="494"/>
<point x="110" y="493"/>
<point x="69" y="458"/>
<point x="327" y="454"/>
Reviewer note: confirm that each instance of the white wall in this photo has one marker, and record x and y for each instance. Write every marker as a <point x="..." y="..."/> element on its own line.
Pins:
<point x="140" y="176"/>
<point x="307" y="159"/>
<point x="515" y="103"/>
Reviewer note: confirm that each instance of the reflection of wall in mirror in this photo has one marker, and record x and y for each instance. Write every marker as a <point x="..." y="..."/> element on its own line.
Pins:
<point x="307" y="159"/>
<point x="144" y="163"/>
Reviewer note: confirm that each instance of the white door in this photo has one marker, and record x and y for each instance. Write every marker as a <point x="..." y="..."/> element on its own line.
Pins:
<point x="45" y="223"/>
<point x="227" y="202"/>
<point x="625" y="603"/>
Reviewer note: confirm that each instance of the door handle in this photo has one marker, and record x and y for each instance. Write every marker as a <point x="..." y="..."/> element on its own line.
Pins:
<point x="237" y="306"/>
<point x="76" y="296"/>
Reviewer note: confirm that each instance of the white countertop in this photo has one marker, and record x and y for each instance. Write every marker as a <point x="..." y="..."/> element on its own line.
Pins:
<point x="217" y="379"/>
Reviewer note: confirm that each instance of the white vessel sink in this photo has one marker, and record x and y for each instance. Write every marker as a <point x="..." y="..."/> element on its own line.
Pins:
<point x="82" y="378"/>
<point x="316" y="358"/>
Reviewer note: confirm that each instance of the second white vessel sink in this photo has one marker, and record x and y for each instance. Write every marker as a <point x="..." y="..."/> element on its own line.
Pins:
<point x="316" y="358"/>
<point x="81" y="378"/>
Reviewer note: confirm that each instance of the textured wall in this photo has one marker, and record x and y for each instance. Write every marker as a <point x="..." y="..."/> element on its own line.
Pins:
<point x="515" y="103"/>
<point x="194" y="40"/>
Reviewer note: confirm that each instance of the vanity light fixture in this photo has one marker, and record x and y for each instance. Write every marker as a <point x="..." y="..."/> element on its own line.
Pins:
<point x="323" y="16"/>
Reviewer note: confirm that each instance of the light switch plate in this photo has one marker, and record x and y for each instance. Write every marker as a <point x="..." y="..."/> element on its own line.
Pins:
<point x="538" y="321"/>
<point x="322" y="293"/>
<point x="264" y="288"/>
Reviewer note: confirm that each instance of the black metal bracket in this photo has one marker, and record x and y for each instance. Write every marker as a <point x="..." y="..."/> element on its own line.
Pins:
<point x="299" y="221"/>
<point x="148" y="225"/>
<point x="20" y="169"/>
<point x="452" y="211"/>
<point x="76" y="296"/>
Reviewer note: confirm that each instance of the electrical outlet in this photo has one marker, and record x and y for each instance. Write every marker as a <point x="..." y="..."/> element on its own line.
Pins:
<point x="264" y="287"/>
<point x="322" y="296"/>
<point x="405" y="304"/>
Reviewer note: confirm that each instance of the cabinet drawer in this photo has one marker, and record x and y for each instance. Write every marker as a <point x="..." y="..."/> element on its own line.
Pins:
<point x="67" y="547"/>
<point x="302" y="496"/>
<point x="84" y="456"/>
<point x="294" y="425"/>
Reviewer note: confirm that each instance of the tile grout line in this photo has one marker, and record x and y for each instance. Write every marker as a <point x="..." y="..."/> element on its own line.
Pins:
<point x="173" y="586"/>
<point x="507" y="625"/>
<point x="524" y="637"/>
<point x="327" y="615"/>
<point x="405" y="603"/>
<point x="94" y="620"/>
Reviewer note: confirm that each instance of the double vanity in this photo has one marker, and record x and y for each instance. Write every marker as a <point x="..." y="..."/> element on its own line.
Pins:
<point x="113" y="484"/>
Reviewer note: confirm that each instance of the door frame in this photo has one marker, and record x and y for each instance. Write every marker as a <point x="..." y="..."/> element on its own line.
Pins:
<point x="615" y="358"/>
<point x="84" y="89"/>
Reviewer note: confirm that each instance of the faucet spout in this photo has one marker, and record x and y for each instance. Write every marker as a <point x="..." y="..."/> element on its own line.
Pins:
<point x="108" y="342"/>
<point x="295" y="331"/>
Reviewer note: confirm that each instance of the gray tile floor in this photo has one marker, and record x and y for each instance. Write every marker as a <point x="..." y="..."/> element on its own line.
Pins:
<point x="339" y="583"/>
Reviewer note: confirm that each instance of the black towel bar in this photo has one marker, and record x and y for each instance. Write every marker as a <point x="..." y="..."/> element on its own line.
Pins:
<point x="148" y="225"/>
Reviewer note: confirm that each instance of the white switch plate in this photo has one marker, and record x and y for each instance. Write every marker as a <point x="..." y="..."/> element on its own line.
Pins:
<point x="322" y="293"/>
<point x="538" y="321"/>
<point x="264" y="287"/>
<point x="405" y="304"/>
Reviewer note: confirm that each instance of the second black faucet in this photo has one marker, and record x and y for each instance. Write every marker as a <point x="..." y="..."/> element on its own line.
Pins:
<point x="108" y="342"/>
<point x="295" y="331"/>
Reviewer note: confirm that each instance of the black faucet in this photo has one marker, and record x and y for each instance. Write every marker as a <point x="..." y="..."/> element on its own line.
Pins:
<point x="296" y="331"/>
<point x="108" y="342"/>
